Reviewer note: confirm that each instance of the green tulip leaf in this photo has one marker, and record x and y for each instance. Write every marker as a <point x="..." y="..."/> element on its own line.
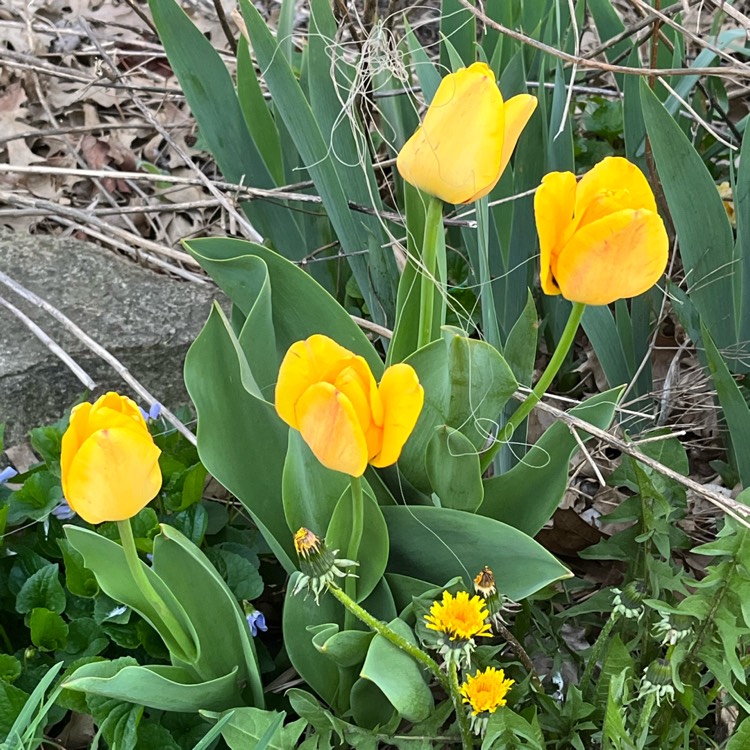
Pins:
<point x="300" y="615"/>
<point x="162" y="687"/>
<point x="107" y="561"/>
<point x="373" y="548"/>
<point x="528" y="494"/>
<point x="398" y="676"/>
<point x="208" y="601"/>
<point x="436" y="544"/>
<point x="453" y="468"/>
<point x="309" y="490"/>
<point x="346" y="649"/>
<point x="241" y="440"/>
<point x="466" y="382"/>
<point x="301" y="307"/>
<point x="370" y="708"/>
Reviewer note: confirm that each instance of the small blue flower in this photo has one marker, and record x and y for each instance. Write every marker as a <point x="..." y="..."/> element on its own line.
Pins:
<point x="7" y="474"/>
<point x="256" y="621"/>
<point x="153" y="412"/>
<point x="63" y="512"/>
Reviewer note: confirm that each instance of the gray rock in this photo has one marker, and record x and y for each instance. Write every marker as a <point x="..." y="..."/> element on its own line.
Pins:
<point x="145" y="319"/>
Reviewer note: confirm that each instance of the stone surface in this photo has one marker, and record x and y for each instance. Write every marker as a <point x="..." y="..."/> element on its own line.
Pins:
<point x="145" y="319"/>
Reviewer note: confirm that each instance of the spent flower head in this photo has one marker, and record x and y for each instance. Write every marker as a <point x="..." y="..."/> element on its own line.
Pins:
<point x="657" y="681"/>
<point x="672" y="629"/>
<point x="628" y="601"/>
<point x="485" y="692"/>
<point x="318" y="565"/>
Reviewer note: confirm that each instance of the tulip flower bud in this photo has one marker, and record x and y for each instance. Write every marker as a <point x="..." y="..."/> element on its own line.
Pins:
<point x="109" y="462"/>
<point x="467" y="136"/>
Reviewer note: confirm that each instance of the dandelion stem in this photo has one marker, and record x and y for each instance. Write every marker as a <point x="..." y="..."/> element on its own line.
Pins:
<point x="596" y="651"/>
<point x="185" y="648"/>
<point x="432" y="226"/>
<point x="463" y="724"/>
<point x="544" y="382"/>
<point x="520" y="652"/>
<point x="381" y="628"/>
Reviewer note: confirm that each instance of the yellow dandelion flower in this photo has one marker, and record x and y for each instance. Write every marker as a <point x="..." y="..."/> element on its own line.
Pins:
<point x="306" y="543"/>
<point x="485" y="691"/>
<point x="459" y="617"/>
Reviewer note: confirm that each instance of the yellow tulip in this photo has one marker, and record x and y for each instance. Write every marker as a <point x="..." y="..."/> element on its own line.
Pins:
<point x="329" y="394"/>
<point x="600" y="239"/>
<point x="109" y="463"/>
<point x="467" y="137"/>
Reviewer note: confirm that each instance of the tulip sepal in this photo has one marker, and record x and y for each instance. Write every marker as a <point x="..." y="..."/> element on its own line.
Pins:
<point x="187" y="648"/>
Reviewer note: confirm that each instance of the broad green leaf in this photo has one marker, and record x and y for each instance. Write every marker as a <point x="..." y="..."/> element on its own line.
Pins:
<point x="373" y="548"/>
<point x="78" y="578"/>
<point x="48" y="630"/>
<point x="370" y="708"/>
<point x="398" y="676"/>
<point x="301" y="612"/>
<point x="458" y="27"/>
<point x="300" y="306"/>
<point x="600" y="327"/>
<point x="209" y="91"/>
<point x="118" y="721"/>
<point x="309" y="490"/>
<point x="40" y="493"/>
<point x="453" y="469"/>
<point x="740" y="738"/>
<point x="466" y="384"/>
<point x="255" y="728"/>
<point x="346" y="649"/>
<point x="528" y="494"/>
<point x="208" y="603"/>
<point x="436" y="544"/>
<point x="733" y="404"/>
<point x="241" y="440"/>
<point x="42" y="589"/>
<point x="107" y="560"/>
<point x="520" y="346"/>
<point x="295" y="110"/>
<point x="703" y="231"/>
<point x="161" y="687"/>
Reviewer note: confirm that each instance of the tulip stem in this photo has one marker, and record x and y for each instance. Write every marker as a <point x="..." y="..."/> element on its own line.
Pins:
<point x="352" y="551"/>
<point x="185" y="650"/>
<point x="544" y="382"/>
<point x="433" y="223"/>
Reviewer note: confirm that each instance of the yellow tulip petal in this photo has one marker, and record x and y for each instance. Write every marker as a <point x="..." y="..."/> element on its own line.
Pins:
<point x="456" y="153"/>
<point x="113" y="475"/>
<point x="316" y="359"/>
<point x="612" y="185"/>
<point x="620" y="256"/>
<point x="328" y="424"/>
<point x="554" y="204"/>
<point x="357" y="383"/>
<point x="74" y="437"/>
<point x="518" y="111"/>
<point x="403" y="398"/>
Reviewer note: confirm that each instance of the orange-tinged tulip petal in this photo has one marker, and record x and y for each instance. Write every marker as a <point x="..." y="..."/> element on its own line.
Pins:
<point x="328" y="424"/>
<point x="357" y="383"/>
<point x="457" y="153"/>
<point x="403" y="398"/>
<point x="554" y="203"/>
<point x="601" y="239"/>
<point x="619" y="256"/>
<point x="315" y="359"/>
<point x="113" y="475"/>
<point x="518" y="111"/>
